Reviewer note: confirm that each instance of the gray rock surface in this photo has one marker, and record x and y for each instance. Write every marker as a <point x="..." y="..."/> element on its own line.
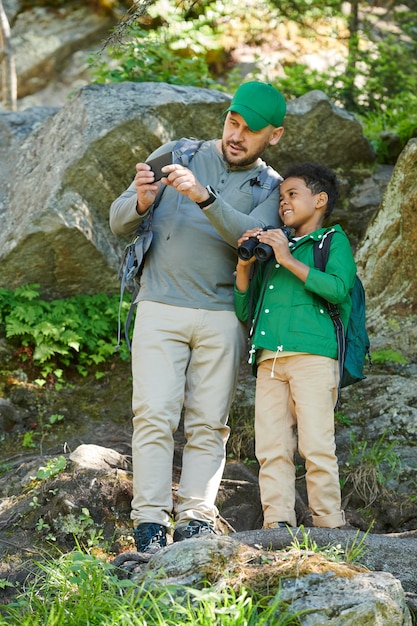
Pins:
<point x="62" y="171"/>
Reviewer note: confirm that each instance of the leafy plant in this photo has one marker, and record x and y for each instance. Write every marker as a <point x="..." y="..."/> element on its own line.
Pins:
<point x="342" y="418"/>
<point x="34" y="504"/>
<point x="298" y="79"/>
<point x="41" y="429"/>
<point x="384" y="356"/>
<point x="356" y="548"/>
<point x="82" y="527"/>
<point x="5" y="583"/>
<point x="349" y="554"/>
<point x="150" y="57"/>
<point x="27" y="441"/>
<point x="52" y="468"/>
<point x="156" y="56"/>
<point x="79" y="331"/>
<point x="189" y="46"/>
<point x="45" y="528"/>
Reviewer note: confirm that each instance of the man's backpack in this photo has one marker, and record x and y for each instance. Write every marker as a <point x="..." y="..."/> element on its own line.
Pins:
<point x="353" y="343"/>
<point x="135" y="252"/>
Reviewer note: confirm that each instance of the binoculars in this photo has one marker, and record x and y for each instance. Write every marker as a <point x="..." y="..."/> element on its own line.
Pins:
<point x="262" y="251"/>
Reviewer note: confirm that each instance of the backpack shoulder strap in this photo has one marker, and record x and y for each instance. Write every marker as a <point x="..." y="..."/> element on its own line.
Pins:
<point x="321" y="251"/>
<point x="183" y="152"/>
<point x="185" y="149"/>
<point x="266" y="181"/>
<point x="321" y="254"/>
<point x="264" y="184"/>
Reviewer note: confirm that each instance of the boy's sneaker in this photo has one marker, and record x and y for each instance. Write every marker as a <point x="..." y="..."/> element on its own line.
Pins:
<point x="191" y="529"/>
<point x="276" y="525"/>
<point x="150" y="537"/>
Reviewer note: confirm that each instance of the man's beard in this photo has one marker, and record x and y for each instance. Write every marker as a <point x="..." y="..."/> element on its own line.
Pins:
<point x="244" y="161"/>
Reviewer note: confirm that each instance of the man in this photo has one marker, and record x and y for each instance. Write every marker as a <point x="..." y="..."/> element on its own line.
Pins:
<point x="187" y="343"/>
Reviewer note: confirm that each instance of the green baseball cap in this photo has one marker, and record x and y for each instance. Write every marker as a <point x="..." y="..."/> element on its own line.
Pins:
<point x="260" y="104"/>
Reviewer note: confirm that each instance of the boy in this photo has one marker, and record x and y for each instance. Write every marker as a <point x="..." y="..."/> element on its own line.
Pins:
<point x="294" y="348"/>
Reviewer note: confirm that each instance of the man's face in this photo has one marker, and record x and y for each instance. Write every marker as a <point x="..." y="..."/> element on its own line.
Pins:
<point x="242" y="146"/>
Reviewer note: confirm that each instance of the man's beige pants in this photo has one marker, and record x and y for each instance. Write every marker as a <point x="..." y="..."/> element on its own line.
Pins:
<point x="296" y="395"/>
<point x="187" y="358"/>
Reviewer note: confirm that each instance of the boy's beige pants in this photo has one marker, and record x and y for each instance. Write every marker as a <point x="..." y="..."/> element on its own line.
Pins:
<point x="295" y="399"/>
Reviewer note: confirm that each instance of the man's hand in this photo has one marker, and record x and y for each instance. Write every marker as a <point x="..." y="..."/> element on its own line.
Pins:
<point x="183" y="180"/>
<point x="146" y="187"/>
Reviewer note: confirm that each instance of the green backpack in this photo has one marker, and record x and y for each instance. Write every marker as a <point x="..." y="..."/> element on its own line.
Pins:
<point x="353" y="343"/>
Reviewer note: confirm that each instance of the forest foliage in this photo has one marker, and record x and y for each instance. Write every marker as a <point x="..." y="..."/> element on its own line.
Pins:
<point x="362" y="55"/>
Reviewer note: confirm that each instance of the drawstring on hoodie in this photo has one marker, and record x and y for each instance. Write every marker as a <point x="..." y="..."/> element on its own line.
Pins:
<point x="321" y="244"/>
<point x="279" y="349"/>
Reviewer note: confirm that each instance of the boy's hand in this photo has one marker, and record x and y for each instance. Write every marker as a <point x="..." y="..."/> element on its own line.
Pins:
<point x="278" y="242"/>
<point x="249" y="234"/>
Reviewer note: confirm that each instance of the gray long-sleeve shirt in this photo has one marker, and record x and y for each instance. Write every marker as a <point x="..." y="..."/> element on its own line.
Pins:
<point x="192" y="258"/>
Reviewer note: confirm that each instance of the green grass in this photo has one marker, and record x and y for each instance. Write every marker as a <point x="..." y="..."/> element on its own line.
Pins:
<point x="80" y="589"/>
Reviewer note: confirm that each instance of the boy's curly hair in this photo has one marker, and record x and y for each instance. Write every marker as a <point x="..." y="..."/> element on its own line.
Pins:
<point x="317" y="178"/>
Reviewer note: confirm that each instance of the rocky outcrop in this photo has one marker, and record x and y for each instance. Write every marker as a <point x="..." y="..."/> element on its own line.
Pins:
<point x="51" y="45"/>
<point x="387" y="260"/>
<point x="55" y="229"/>
<point x="330" y="134"/>
<point x="320" y="593"/>
<point x="87" y="493"/>
<point x="63" y="176"/>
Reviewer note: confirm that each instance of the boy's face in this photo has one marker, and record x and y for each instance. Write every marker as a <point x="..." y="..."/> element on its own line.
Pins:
<point x="299" y="208"/>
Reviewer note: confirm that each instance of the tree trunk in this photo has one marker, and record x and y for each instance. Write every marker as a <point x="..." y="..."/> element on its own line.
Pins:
<point x="353" y="45"/>
<point x="8" y="68"/>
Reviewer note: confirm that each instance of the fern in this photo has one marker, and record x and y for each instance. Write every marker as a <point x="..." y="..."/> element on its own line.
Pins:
<point x="77" y="332"/>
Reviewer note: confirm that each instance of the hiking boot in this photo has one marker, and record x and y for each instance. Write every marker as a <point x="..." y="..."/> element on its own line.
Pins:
<point x="150" y="537"/>
<point x="192" y="528"/>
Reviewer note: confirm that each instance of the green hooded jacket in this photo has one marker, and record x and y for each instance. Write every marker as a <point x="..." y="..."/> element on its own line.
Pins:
<point x="290" y="315"/>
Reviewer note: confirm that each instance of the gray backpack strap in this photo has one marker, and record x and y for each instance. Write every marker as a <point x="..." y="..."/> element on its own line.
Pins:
<point x="264" y="184"/>
<point x="185" y="149"/>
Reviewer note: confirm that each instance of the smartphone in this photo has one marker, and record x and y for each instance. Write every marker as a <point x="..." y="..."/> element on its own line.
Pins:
<point x="159" y="162"/>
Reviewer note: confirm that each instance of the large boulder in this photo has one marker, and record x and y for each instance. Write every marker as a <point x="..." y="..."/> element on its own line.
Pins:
<point x="387" y="260"/>
<point x="328" y="134"/>
<point x="45" y="40"/>
<point x="56" y="229"/>
<point x="63" y="176"/>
